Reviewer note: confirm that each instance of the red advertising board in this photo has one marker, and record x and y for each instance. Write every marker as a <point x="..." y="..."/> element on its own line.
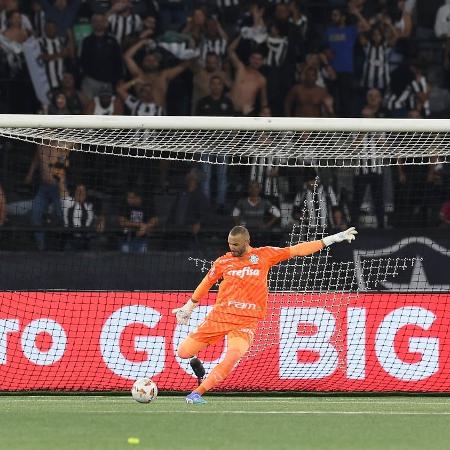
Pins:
<point x="308" y="342"/>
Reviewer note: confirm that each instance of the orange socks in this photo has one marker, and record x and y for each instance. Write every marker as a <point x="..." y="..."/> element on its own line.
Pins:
<point x="237" y="347"/>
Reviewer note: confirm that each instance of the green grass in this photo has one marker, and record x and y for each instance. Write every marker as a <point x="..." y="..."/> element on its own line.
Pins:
<point x="106" y="422"/>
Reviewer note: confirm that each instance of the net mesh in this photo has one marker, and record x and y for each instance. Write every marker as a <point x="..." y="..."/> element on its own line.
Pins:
<point x="87" y="292"/>
<point x="319" y="149"/>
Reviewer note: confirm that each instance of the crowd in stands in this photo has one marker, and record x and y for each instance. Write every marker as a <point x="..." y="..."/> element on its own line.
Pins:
<point x="293" y="58"/>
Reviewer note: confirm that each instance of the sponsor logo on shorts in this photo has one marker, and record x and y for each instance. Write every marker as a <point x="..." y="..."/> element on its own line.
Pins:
<point x="241" y="305"/>
<point x="245" y="272"/>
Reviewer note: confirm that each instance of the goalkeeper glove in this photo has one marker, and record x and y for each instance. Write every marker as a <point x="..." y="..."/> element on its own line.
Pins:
<point x="183" y="314"/>
<point x="347" y="235"/>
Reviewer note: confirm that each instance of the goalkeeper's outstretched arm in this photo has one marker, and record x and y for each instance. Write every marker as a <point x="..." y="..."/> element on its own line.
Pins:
<point x="308" y="248"/>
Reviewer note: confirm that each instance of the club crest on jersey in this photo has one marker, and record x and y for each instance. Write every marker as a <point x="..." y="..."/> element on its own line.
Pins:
<point x="254" y="259"/>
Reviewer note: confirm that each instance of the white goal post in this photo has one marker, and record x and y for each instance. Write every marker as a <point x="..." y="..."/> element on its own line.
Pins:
<point x="330" y="142"/>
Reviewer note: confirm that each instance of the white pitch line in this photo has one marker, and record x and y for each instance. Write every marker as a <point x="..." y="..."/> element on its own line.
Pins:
<point x="376" y="413"/>
<point x="128" y="400"/>
<point x="300" y="400"/>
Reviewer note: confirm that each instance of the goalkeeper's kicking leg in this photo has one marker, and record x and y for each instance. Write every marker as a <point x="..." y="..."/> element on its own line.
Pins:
<point x="237" y="347"/>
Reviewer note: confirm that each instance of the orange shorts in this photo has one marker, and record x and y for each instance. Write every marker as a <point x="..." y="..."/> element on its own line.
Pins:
<point x="211" y="332"/>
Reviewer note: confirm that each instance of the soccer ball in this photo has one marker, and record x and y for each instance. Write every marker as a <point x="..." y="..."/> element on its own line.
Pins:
<point x="144" y="390"/>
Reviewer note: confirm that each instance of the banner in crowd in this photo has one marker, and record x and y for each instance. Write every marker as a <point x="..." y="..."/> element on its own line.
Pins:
<point x="36" y="69"/>
<point x="308" y="342"/>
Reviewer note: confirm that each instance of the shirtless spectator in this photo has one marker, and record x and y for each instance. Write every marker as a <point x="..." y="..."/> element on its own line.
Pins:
<point x="50" y="160"/>
<point x="249" y="83"/>
<point x="204" y="75"/>
<point x="105" y="104"/>
<point x="308" y="99"/>
<point x="325" y="72"/>
<point x="151" y="71"/>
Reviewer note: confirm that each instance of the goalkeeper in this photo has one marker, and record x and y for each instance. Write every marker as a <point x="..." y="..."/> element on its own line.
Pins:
<point x="241" y="301"/>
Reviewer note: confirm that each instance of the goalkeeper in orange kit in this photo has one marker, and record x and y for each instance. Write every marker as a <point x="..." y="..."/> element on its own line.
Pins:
<point x="241" y="301"/>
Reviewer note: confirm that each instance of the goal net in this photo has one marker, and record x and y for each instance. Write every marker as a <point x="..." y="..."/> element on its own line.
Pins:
<point x="119" y="219"/>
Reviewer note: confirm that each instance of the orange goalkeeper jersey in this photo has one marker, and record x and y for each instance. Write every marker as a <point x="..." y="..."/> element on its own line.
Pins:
<point x="243" y="290"/>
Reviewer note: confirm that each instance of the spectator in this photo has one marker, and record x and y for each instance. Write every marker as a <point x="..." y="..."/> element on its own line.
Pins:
<point x="215" y="40"/>
<point x="38" y="18"/>
<point x="299" y="19"/>
<point x="248" y="83"/>
<point x="190" y="207"/>
<point x="376" y="68"/>
<point x="53" y="52"/>
<point x="275" y="68"/>
<point x="374" y="105"/>
<point x="76" y="100"/>
<point x="101" y="59"/>
<point x="400" y="13"/>
<point x="412" y="100"/>
<point x="152" y="73"/>
<point x="368" y="173"/>
<point x="196" y="26"/>
<point x="105" y="104"/>
<point x="61" y="12"/>
<point x="308" y="99"/>
<point x="58" y="104"/>
<point x="137" y="222"/>
<point x="254" y="212"/>
<point x="215" y="104"/>
<point x="24" y="23"/>
<point x="266" y="172"/>
<point x="122" y="21"/>
<point x="51" y="161"/>
<point x="341" y="39"/>
<point x="144" y="103"/>
<point x="203" y="75"/>
<point x="316" y="205"/>
<point x="78" y="213"/>
<point x="325" y="72"/>
<point x="11" y="41"/>
<point x="442" y="22"/>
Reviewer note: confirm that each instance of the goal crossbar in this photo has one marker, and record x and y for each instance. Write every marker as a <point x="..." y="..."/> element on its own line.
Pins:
<point x="225" y="123"/>
<point x="290" y="142"/>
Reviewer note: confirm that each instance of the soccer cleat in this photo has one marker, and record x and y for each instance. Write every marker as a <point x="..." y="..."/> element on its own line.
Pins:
<point x="198" y="369"/>
<point x="195" y="399"/>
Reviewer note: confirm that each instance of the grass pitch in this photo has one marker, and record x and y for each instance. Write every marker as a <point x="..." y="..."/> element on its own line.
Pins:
<point x="107" y="422"/>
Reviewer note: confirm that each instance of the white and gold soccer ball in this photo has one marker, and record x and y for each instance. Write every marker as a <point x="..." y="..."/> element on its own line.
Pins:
<point x="144" y="390"/>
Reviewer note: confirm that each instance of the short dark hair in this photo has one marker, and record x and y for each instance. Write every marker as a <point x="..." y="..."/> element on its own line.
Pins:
<point x="239" y="230"/>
